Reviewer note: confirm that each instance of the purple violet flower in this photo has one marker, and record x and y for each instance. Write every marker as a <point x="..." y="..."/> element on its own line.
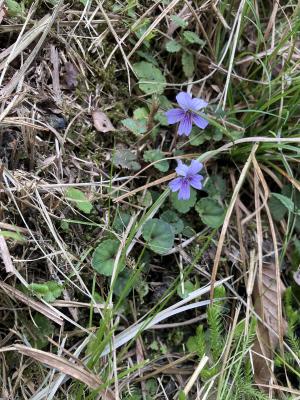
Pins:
<point x="186" y="115"/>
<point x="188" y="177"/>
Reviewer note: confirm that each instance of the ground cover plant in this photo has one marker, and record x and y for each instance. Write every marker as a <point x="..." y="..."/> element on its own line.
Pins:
<point x="149" y="233"/>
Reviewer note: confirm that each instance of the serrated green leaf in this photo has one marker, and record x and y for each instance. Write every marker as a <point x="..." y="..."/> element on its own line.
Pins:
<point x="179" y="21"/>
<point x="124" y="158"/>
<point x="14" y="8"/>
<point x="181" y="395"/>
<point x="145" y="200"/>
<point x="216" y="187"/>
<point x="161" y="118"/>
<point x="197" y="136"/>
<point x="285" y="201"/>
<point x="151" y="79"/>
<point x="183" y="206"/>
<point x="155" y="155"/>
<point x="188" y="66"/>
<point x="13" y="235"/>
<point x="277" y="209"/>
<point x="173" y="219"/>
<point x="121" y="221"/>
<point x="173" y="46"/>
<point x="80" y="200"/>
<point x="158" y="235"/>
<point x="48" y="291"/>
<point x="211" y="212"/>
<point x="104" y="256"/>
<point x="141" y="113"/>
<point x="136" y="126"/>
<point x="148" y="57"/>
<point x="41" y="328"/>
<point x="121" y="282"/>
<point x="187" y="288"/>
<point x="193" y="38"/>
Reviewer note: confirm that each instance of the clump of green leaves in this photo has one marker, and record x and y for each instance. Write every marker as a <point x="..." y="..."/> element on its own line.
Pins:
<point x="288" y="201"/>
<point x="210" y="341"/>
<point x="184" y="44"/>
<point x="48" y="291"/>
<point x="126" y="159"/>
<point x="151" y="79"/>
<point x="157" y="155"/>
<point x="183" y="206"/>
<point x="158" y="235"/>
<point x="80" y="200"/>
<point x="104" y="257"/>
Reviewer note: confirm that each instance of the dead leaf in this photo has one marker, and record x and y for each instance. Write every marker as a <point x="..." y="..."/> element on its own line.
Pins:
<point x="101" y="122"/>
<point x="65" y="366"/>
<point x="4" y="252"/>
<point x="296" y="276"/>
<point x="71" y="76"/>
<point x="3" y="13"/>
<point x="266" y="306"/>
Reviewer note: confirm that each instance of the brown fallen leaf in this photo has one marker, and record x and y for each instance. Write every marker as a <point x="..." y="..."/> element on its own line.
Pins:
<point x="266" y="306"/>
<point x="4" y="253"/>
<point x="71" y="76"/>
<point x="101" y="122"/>
<point x="67" y="367"/>
<point x="296" y="276"/>
<point x="3" y="12"/>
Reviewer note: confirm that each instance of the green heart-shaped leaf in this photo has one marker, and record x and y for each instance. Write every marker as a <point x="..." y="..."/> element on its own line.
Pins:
<point x="211" y="212"/>
<point x="104" y="256"/>
<point x="158" y="235"/>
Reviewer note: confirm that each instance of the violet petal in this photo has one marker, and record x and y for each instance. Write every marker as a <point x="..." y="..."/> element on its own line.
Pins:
<point x="184" y="192"/>
<point x="195" y="182"/>
<point x="181" y="169"/>
<point x="195" y="167"/>
<point x="184" y="100"/>
<point x="199" y="121"/>
<point x="174" y="115"/>
<point x="185" y="125"/>
<point x="198" y="104"/>
<point x="175" y="184"/>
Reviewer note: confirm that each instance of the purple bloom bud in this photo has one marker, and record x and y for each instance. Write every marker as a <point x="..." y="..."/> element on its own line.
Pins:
<point x="188" y="176"/>
<point x="186" y="115"/>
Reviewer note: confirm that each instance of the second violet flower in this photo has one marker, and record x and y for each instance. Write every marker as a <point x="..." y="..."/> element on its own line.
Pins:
<point x="188" y="176"/>
<point x="186" y="115"/>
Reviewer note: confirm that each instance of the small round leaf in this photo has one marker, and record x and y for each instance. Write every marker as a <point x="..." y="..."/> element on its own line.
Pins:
<point x="183" y="206"/>
<point x="211" y="212"/>
<point x="158" y="235"/>
<point x="172" y="218"/>
<point x="103" y="259"/>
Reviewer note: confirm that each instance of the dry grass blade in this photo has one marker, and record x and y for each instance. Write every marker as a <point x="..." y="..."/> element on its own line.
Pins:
<point x="66" y="367"/>
<point x="40" y="307"/>
<point x="227" y="219"/>
<point x="15" y="49"/>
<point x="152" y="26"/>
<point x="195" y="375"/>
<point x="9" y="267"/>
<point x="19" y="75"/>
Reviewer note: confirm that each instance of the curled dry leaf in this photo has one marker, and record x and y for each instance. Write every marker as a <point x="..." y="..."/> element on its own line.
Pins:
<point x="297" y="276"/>
<point x="67" y="367"/>
<point x="101" y="122"/>
<point x="71" y="76"/>
<point x="3" y="12"/>
<point x="266" y="306"/>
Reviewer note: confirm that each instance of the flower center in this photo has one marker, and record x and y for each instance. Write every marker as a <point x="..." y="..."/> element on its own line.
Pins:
<point x="186" y="180"/>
